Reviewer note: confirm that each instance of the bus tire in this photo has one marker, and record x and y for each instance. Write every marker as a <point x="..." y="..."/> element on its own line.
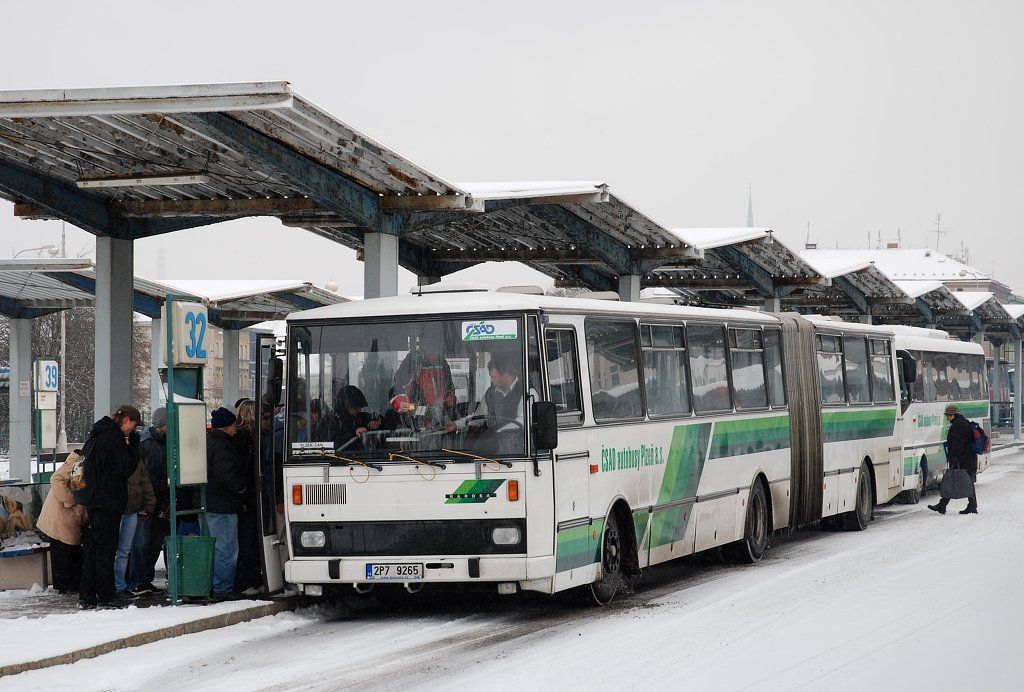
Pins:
<point x="612" y="552"/>
<point x="756" y="533"/>
<point x="863" y="510"/>
<point x="914" y="495"/>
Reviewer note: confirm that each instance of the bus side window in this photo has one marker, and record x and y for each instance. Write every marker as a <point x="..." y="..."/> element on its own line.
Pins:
<point x="746" y="351"/>
<point x="709" y="372"/>
<point x="614" y="362"/>
<point x="773" y="364"/>
<point x="855" y="352"/>
<point x="830" y="369"/>
<point x="881" y="372"/>
<point x="563" y="375"/>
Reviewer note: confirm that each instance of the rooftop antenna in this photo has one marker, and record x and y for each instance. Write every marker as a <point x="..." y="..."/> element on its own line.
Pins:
<point x="808" y="245"/>
<point x="750" y="205"/>
<point x="938" y="231"/>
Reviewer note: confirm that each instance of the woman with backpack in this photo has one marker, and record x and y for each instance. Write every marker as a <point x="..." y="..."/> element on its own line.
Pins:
<point x="111" y="457"/>
<point x="62" y="519"/>
<point x="961" y="455"/>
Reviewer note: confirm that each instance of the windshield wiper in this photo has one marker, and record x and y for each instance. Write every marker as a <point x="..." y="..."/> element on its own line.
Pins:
<point x="345" y="460"/>
<point x="437" y="464"/>
<point x="476" y="457"/>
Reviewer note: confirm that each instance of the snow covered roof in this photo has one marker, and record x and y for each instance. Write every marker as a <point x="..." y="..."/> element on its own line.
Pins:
<point x="904" y="264"/>
<point x="35" y="287"/>
<point x="706" y="238"/>
<point x="972" y="300"/>
<point x="234" y="304"/>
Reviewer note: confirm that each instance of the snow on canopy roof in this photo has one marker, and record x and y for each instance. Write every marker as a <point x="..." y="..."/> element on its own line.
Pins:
<point x="916" y="289"/>
<point x="706" y="238"/>
<point x="1014" y="310"/>
<point x="36" y="287"/>
<point x="972" y="300"/>
<point x="518" y="190"/>
<point x="235" y="304"/>
<point x="908" y="264"/>
<point x="833" y="263"/>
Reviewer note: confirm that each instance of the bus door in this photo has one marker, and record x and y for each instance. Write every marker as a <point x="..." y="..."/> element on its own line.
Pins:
<point x="269" y="443"/>
<point x="572" y="458"/>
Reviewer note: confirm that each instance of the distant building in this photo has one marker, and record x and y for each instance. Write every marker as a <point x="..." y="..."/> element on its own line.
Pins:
<point x="905" y="264"/>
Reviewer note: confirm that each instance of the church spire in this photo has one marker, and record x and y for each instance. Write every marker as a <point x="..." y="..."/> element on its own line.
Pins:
<point x="750" y="206"/>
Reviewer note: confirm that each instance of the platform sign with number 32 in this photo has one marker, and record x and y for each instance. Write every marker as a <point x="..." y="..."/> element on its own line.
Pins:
<point x="191" y="329"/>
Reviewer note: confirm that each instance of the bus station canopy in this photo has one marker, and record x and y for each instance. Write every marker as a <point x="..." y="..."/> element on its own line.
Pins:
<point x="36" y="287"/>
<point x="129" y="163"/>
<point x="136" y="162"/>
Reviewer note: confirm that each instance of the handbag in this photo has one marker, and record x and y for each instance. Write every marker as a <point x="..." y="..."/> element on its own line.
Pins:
<point x="956" y="484"/>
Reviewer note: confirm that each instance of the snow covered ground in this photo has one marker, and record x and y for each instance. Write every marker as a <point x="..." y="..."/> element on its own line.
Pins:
<point x="918" y="601"/>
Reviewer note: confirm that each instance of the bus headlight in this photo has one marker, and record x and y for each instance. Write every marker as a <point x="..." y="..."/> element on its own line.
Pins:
<point x="506" y="535"/>
<point x="313" y="539"/>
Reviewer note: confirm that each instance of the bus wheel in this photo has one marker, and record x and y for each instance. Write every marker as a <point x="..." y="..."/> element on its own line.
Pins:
<point x="611" y="563"/>
<point x="751" y="547"/>
<point x="858" y="519"/>
<point x="914" y="495"/>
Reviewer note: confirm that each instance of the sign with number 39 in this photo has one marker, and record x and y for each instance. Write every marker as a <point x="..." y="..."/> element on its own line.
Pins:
<point x="191" y="331"/>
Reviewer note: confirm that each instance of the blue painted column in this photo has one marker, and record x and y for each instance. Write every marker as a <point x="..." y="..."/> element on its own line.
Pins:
<point x="115" y="288"/>
<point x="20" y="430"/>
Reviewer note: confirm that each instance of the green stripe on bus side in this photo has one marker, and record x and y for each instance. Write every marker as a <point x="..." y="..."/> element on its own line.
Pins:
<point x="578" y="546"/>
<point x="685" y="462"/>
<point x="747" y="436"/>
<point x="683" y="468"/>
<point x="839" y="426"/>
<point x="975" y="409"/>
<point x="640" y="518"/>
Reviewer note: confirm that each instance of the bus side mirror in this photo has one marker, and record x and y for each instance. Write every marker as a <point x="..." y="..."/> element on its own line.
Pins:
<point x="275" y="378"/>
<point x="909" y="366"/>
<point x="545" y="425"/>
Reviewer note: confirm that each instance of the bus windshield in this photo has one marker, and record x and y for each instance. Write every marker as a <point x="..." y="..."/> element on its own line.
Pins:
<point x="419" y="388"/>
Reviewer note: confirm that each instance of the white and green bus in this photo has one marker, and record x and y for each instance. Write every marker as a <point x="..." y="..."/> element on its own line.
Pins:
<point x="949" y="372"/>
<point x="546" y="443"/>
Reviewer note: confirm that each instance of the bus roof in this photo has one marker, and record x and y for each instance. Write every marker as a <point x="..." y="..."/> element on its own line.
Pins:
<point x="825" y="322"/>
<point x="490" y="301"/>
<point x="913" y="342"/>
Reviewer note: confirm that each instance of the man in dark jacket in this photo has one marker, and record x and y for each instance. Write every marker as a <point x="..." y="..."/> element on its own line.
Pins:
<point x="153" y="442"/>
<point x="112" y="453"/>
<point x="961" y="456"/>
<point x="225" y="491"/>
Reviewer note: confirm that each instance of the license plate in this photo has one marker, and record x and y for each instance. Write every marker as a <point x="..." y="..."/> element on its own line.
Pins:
<point x="378" y="570"/>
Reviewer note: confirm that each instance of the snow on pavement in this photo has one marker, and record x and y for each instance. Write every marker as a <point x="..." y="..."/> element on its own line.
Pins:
<point x="31" y="639"/>
<point x="918" y="601"/>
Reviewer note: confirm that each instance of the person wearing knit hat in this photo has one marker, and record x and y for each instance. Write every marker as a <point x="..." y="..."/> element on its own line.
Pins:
<point x="222" y="418"/>
<point x="225" y="489"/>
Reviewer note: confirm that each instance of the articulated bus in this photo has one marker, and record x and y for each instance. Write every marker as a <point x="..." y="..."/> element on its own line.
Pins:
<point x="949" y="372"/>
<point x="545" y="444"/>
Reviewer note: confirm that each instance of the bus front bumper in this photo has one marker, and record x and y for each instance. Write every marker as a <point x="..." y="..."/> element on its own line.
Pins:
<point x="353" y="570"/>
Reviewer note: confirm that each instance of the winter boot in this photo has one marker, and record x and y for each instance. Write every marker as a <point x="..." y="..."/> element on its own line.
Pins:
<point x="940" y="508"/>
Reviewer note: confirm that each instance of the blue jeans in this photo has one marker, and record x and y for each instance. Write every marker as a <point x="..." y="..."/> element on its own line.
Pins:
<point x="131" y="541"/>
<point x="224" y="527"/>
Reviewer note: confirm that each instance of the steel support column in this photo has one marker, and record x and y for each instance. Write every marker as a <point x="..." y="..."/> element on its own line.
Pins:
<point x="380" y="265"/>
<point x="20" y="430"/>
<point x="231" y="367"/>
<point x="865" y="318"/>
<point x="114" y="292"/>
<point x="629" y="288"/>
<point x="772" y="305"/>
<point x="1018" y="347"/>
<point x="427" y="280"/>
<point x="157" y="338"/>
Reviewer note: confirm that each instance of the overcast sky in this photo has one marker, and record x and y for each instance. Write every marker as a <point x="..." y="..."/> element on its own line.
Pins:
<point x="856" y="117"/>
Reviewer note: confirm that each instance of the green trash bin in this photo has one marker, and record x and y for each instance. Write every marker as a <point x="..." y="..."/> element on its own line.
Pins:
<point x="195" y="565"/>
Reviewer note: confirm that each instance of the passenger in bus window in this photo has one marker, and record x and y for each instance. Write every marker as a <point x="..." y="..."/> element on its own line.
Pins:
<point x="353" y="422"/>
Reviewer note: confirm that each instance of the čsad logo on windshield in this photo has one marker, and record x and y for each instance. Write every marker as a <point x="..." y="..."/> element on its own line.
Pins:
<point x="488" y="330"/>
<point x="478" y="330"/>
